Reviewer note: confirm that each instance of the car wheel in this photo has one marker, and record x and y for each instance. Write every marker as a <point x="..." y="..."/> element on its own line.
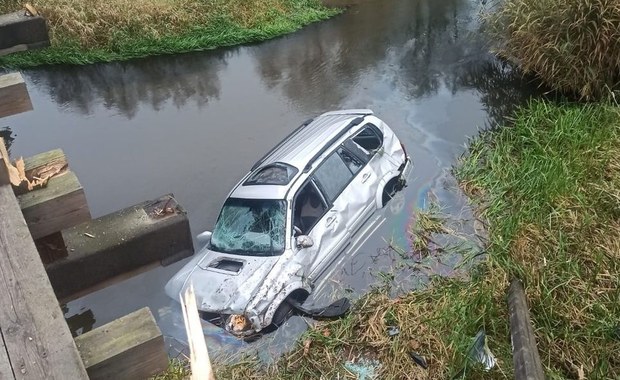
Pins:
<point x="282" y="313"/>
<point x="390" y="189"/>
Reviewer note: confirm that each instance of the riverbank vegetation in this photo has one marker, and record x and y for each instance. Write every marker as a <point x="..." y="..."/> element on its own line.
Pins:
<point x="574" y="46"/>
<point x="99" y="31"/>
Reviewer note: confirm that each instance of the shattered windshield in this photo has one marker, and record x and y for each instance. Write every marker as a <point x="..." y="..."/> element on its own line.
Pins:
<point x="253" y="227"/>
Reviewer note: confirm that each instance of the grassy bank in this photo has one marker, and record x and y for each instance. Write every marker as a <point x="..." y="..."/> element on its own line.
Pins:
<point x="574" y="46"/>
<point x="98" y="31"/>
<point x="549" y="188"/>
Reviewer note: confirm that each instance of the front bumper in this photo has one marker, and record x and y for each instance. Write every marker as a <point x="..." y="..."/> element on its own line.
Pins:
<point x="406" y="169"/>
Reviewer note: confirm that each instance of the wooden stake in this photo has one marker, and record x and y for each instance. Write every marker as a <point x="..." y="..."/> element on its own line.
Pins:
<point x="199" y="356"/>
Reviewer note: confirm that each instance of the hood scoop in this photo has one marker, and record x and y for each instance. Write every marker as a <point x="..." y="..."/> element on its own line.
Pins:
<point x="226" y="265"/>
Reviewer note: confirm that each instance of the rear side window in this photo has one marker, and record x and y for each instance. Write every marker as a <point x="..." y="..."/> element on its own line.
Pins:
<point x="369" y="139"/>
<point x="333" y="175"/>
<point x="353" y="162"/>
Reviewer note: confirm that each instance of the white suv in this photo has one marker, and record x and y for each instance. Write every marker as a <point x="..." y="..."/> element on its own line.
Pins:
<point x="290" y="217"/>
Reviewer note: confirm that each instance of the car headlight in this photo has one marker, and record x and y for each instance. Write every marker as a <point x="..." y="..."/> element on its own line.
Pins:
<point x="237" y="324"/>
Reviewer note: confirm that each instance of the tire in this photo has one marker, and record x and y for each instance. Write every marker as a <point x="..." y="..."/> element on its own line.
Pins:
<point x="389" y="190"/>
<point x="282" y="313"/>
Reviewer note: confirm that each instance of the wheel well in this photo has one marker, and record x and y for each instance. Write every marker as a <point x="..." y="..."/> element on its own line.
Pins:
<point x="388" y="190"/>
<point x="284" y="309"/>
<point x="299" y="295"/>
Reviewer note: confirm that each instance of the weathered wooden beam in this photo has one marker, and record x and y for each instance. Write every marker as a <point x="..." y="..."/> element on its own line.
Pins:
<point x="199" y="355"/>
<point x="37" y="339"/>
<point x="6" y="372"/>
<point x="526" y="359"/>
<point x="20" y="31"/>
<point x="100" y="250"/>
<point x="14" y="96"/>
<point x="131" y="347"/>
<point x="4" y="172"/>
<point x="61" y="204"/>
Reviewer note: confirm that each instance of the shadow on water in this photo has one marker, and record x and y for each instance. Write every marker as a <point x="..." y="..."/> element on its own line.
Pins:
<point x="193" y="124"/>
<point x="502" y="88"/>
<point x="7" y="135"/>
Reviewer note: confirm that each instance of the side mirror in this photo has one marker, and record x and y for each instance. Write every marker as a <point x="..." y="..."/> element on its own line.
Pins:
<point x="303" y="241"/>
<point x="204" y="238"/>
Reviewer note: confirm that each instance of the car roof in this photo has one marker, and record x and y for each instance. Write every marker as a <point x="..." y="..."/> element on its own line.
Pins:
<point x="301" y="148"/>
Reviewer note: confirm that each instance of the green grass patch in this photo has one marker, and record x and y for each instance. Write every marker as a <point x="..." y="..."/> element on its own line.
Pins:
<point x="88" y="32"/>
<point x="549" y="187"/>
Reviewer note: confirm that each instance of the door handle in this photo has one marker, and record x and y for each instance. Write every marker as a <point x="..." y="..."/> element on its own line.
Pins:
<point x="331" y="220"/>
<point x="365" y="177"/>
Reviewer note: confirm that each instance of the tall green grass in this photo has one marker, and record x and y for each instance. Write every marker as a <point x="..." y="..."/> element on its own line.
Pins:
<point x="88" y="32"/>
<point x="549" y="187"/>
<point x="573" y="45"/>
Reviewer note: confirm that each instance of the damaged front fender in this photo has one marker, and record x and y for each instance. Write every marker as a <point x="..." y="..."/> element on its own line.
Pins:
<point x="275" y="290"/>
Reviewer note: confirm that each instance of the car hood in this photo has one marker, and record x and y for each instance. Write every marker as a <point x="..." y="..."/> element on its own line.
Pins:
<point x="222" y="282"/>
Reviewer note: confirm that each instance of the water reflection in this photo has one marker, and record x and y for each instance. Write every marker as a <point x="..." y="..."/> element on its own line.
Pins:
<point x="79" y="323"/>
<point x="422" y="43"/>
<point x="416" y="46"/>
<point x="126" y="86"/>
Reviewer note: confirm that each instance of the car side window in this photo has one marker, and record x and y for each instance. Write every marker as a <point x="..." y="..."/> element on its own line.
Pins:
<point x="309" y="207"/>
<point x="369" y="139"/>
<point x="353" y="162"/>
<point x="333" y="175"/>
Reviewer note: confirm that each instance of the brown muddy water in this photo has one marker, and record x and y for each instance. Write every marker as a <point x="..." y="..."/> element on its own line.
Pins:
<point x="193" y="124"/>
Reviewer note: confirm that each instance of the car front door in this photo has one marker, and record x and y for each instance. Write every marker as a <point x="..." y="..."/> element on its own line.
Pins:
<point x="334" y="177"/>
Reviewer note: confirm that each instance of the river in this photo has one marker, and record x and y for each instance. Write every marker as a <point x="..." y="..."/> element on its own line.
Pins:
<point x="193" y="124"/>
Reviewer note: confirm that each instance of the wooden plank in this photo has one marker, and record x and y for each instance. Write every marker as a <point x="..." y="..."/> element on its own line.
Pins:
<point x="131" y="347"/>
<point x="526" y="359"/>
<point x="4" y="172"/>
<point x="14" y="49"/>
<point x="14" y="96"/>
<point x="18" y="29"/>
<point x="36" y="336"/>
<point x="120" y="243"/>
<point x="61" y="204"/>
<point x="199" y="355"/>
<point x="6" y="372"/>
